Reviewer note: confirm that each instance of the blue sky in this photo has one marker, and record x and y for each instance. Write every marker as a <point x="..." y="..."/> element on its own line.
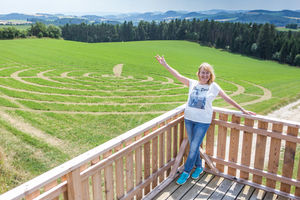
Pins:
<point x="126" y="6"/>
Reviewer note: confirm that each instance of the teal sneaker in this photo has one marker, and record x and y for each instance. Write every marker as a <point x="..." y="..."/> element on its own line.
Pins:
<point x="183" y="178"/>
<point x="197" y="172"/>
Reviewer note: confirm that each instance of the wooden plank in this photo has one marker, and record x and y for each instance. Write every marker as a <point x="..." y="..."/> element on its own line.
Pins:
<point x="154" y="159"/>
<point x="233" y="191"/>
<point x="210" y="138"/>
<point x="256" y="171"/>
<point x="274" y="155"/>
<point x="181" y="135"/>
<point x="32" y="195"/>
<point x="129" y="172"/>
<point x="260" y="151"/>
<point x="108" y="179"/>
<point x="245" y="193"/>
<point x="147" y="164"/>
<point x="272" y="134"/>
<point x="74" y="185"/>
<point x="297" y="191"/>
<point x="85" y="184"/>
<point x="234" y="144"/>
<point x="178" y="194"/>
<point x="164" y="194"/>
<point x="54" y="192"/>
<point x="220" y="192"/>
<point x="250" y="183"/>
<point x="270" y="196"/>
<point x="169" y="147"/>
<point x="50" y="186"/>
<point x="138" y="169"/>
<point x="199" y="186"/>
<point x="65" y="194"/>
<point x="208" y="161"/>
<point x="97" y="186"/>
<point x="85" y="188"/>
<point x="210" y="188"/>
<point x="257" y="195"/>
<point x="289" y="159"/>
<point x="179" y="157"/>
<point x="246" y="148"/>
<point x="161" y="154"/>
<point x="119" y="171"/>
<point x="222" y="138"/>
<point x="175" y="140"/>
<point x="282" y="198"/>
<point x="181" y="132"/>
<point x="258" y="117"/>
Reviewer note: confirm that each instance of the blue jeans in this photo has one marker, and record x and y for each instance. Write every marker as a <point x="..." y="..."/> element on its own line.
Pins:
<point x="196" y="132"/>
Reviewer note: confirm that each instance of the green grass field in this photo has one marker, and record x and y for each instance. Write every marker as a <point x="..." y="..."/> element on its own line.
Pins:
<point x="59" y="98"/>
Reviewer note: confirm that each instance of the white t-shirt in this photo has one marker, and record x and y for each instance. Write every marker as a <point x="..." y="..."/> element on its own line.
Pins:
<point x="199" y="104"/>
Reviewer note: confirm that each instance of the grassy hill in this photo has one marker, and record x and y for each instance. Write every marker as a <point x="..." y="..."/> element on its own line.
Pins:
<point x="60" y="98"/>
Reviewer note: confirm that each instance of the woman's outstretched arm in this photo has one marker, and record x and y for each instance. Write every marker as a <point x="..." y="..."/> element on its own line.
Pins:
<point x="175" y="73"/>
<point x="235" y="104"/>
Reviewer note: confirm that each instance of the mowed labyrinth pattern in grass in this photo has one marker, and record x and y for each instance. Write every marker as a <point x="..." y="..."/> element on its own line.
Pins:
<point x="60" y="98"/>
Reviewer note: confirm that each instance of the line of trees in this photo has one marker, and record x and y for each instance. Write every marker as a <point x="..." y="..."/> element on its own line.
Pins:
<point x="38" y="30"/>
<point x="258" y="40"/>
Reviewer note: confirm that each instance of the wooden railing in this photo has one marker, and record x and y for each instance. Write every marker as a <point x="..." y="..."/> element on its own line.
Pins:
<point x="255" y="150"/>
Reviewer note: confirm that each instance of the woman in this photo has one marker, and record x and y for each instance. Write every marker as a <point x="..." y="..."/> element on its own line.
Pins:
<point x="198" y="112"/>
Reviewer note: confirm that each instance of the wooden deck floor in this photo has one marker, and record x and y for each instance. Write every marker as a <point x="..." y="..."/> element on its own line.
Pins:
<point x="209" y="186"/>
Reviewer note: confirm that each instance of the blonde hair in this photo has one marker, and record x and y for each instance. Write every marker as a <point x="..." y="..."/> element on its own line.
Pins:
<point x="207" y="67"/>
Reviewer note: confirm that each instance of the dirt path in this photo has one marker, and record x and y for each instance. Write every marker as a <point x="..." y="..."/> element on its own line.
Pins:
<point x="84" y="112"/>
<point x="21" y="125"/>
<point x="289" y="112"/>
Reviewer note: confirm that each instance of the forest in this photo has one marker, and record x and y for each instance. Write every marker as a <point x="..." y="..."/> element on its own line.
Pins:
<point x="256" y="40"/>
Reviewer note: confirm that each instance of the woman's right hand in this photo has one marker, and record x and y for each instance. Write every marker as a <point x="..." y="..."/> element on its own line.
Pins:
<point x="161" y="60"/>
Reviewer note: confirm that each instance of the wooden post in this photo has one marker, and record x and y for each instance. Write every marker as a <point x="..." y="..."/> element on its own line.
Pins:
<point x="138" y="169"/>
<point x="247" y="148"/>
<point x="260" y="151"/>
<point x="210" y="138"/>
<point x="234" y="144"/>
<point x="169" y="148"/>
<point x="85" y="188"/>
<point x="74" y="185"/>
<point x="119" y="171"/>
<point x="154" y="160"/>
<point x="297" y="191"/>
<point x="161" y="150"/>
<point x="109" y="179"/>
<point x="274" y="155"/>
<point x="147" y="163"/>
<point x="129" y="172"/>
<point x="175" y="140"/>
<point x="181" y="135"/>
<point x="179" y="157"/>
<point x="222" y="138"/>
<point x="289" y="158"/>
<point x="97" y="186"/>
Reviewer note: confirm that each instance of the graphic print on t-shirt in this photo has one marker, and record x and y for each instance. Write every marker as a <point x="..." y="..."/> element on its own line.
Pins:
<point x="198" y="98"/>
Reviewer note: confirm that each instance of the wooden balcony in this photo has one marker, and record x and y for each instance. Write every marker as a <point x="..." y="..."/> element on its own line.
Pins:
<point x="254" y="151"/>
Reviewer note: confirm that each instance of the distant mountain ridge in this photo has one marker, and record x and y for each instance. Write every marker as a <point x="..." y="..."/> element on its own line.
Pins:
<point x="278" y="18"/>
